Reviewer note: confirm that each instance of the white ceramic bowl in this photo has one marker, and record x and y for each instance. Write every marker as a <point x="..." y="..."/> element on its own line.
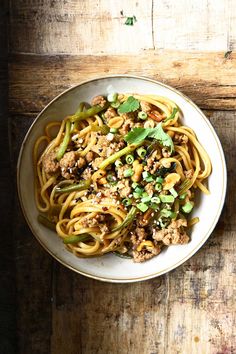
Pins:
<point x="110" y="267"/>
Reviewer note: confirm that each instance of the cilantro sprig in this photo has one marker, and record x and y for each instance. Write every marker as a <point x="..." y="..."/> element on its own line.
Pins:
<point x="137" y="135"/>
<point x="130" y="105"/>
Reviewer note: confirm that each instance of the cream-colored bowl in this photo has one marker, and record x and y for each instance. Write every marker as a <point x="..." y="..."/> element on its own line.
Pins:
<point x="110" y="267"/>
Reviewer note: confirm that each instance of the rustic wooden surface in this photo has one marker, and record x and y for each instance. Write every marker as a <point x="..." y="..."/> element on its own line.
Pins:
<point x="56" y="44"/>
<point x="7" y="269"/>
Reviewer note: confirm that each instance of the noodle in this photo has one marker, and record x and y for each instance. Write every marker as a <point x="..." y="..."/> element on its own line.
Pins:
<point x="120" y="176"/>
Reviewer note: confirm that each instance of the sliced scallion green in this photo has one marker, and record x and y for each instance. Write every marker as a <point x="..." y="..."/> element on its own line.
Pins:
<point x="142" y="115"/>
<point x="112" y="97"/>
<point x="129" y="159"/>
<point x="115" y="104"/>
<point x="187" y="207"/>
<point x="142" y="206"/>
<point x="173" y="192"/>
<point x="126" y="201"/>
<point x="128" y="173"/>
<point x="167" y="198"/>
<point x="146" y="199"/>
<point x="159" y="180"/>
<point x="113" y="130"/>
<point x="183" y="196"/>
<point x="158" y="187"/>
<point x="141" y="152"/>
<point x="155" y="200"/>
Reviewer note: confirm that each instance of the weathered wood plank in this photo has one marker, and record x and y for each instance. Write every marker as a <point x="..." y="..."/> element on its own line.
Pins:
<point x="97" y="317"/>
<point x="74" y="27"/>
<point x="97" y="26"/>
<point x="35" y="79"/>
<point x="33" y="270"/>
<point x="205" y="25"/>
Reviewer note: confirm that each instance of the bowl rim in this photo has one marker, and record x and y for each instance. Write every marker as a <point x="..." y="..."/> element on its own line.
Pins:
<point x="193" y="251"/>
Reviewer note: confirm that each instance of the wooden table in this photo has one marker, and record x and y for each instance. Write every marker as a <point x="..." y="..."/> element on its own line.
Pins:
<point x="187" y="44"/>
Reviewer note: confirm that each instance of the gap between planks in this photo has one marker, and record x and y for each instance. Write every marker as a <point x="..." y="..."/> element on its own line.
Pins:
<point x="207" y="78"/>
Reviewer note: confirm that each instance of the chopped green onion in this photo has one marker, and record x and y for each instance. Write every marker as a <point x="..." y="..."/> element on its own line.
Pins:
<point x="173" y="192"/>
<point x="146" y="199"/>
<point x="155" y="200"/>
<point x="111" y="159"/>
<point x="65" y="141"/>
<point x="112" y="97"/>
<point x="78" y="116"/>
<point x="104" y="129"/>
<point x="118" y="163"/>
<point x="76" y="238"/>
<point x="141" y="152"/>
<point x="136" y="195"/>
<point x="168" y="213"/>
<point x="134" y="185"/>
<point x="113" y="130"/>
<point x="74" y="187"/>
<point x="129" y="218"/>
<point x="129" y="159"/>
<point x="142" y="115"/>
<point x="128" y="173"/>
<point x="159" y="180"/>
<point x="126" y="201"/>
<point x="182" y="196"/>
<point x="147" y="176"/>
<point x="187" y="207"/>
<point x="154" y="206"/>
<point x="111" y="179"/>
<point x="167" y="198"/>
<point x="143" y="207"/>
<point x="139" y="190"/>
<point x="158" y="187"/>
<point x="115" y="104"/>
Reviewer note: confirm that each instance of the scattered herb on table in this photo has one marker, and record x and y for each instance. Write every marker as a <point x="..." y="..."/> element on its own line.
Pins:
<point x="130" y="21"/>
<point x="227" y="54"/>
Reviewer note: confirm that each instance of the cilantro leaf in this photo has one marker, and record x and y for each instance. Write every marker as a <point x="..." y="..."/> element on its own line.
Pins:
<point x="130" y="105"/>
<point x="172" y="116"/>
<point x="137" y="135"/>
<point x="163" y="138"/>
<point x="130" y="21"/>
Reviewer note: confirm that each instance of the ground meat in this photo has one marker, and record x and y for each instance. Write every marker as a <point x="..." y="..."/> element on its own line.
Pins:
<point x="87" y="173"/>
<point x="50" y="163"/>
<point x="128" y="124"/>
<point x="89" y="156"/>
<point x="180" y="138"/>
<point x="145" y="106"/>
<point x="120" y="171"/>
<point x="96" y="162"/>
<point x="104" y="147"/>
<point x="173" y="234"/>
<point x="138" y="236"/>
<point x="97" y="221"/>
<point x="149" y="188"/>
<point x="67" y="164"/>
<point x="189" y="173"/>
<point x="126" y="190"/>
<point x="110" y="113"/>
<point x="98" y="100"/>
<point x="152" y="164"/>
<point x="144" y="255"/>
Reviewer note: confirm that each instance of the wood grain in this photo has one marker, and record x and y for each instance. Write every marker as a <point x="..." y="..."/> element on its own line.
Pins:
<point x="98" y="26"/>
<point x="191" y="309"/>
<point x="35" y="79"/>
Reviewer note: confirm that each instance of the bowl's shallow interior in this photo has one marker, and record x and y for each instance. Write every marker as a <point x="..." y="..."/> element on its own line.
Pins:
<point x="111" y="267"/>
